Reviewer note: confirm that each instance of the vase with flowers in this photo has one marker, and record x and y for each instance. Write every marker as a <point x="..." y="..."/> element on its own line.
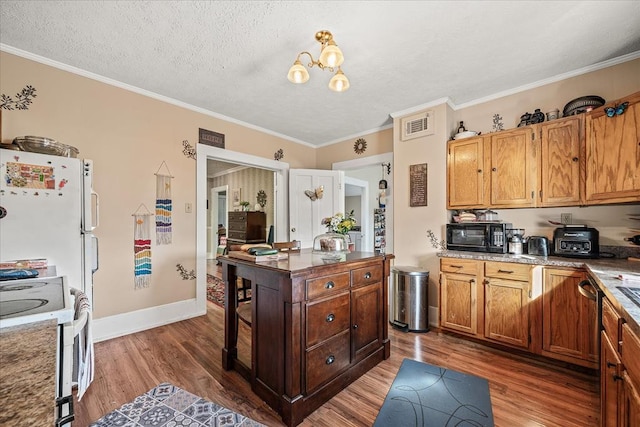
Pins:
<point x="335" y="242"/>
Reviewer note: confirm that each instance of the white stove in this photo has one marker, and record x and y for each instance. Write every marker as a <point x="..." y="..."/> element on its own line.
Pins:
<point x="25" y="301"/>
<point x="32" y="300"/>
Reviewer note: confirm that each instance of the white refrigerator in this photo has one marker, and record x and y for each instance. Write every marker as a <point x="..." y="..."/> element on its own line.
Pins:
<point x="48" y="210"/>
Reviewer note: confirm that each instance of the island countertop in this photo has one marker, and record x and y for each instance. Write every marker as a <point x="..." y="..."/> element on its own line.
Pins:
<point x="604" y="271"/>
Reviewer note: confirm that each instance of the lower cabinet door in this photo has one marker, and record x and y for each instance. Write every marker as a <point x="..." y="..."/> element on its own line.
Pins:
<point x="458" y="303"/>
<point x="366" y="320"/>
<point x="327" y="360"/>
<point x="506" y="316"/>
<point x="610" y="384"/>
<point x="631" y="403"/>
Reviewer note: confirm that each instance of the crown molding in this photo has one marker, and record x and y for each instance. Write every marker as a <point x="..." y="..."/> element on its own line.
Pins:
<point x="78" y="71"/>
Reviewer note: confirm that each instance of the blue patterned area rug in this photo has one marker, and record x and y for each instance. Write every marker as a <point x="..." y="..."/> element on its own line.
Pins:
<point x="167" y="405"/>
<point x="426" y="395"/>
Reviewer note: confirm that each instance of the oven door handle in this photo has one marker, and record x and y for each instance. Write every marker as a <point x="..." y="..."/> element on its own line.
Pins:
<point x="582" y="288"/>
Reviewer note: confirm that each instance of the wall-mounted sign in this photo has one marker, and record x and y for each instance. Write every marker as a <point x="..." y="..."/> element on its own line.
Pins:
<point x="210" y="137"/>
<point x="418" y="185"/>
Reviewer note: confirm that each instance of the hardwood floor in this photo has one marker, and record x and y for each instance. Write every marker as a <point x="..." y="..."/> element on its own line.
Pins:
<point x="524" y="392"/>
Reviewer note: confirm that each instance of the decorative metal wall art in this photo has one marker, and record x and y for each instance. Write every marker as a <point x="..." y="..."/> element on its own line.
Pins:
<point x="360" y="146"/>
<point x="184" y="274"/>
<point x="22" y="101"/>
<point x="188" y="150"/>
<point x="278" y="155"/>
<point x="498" y="125"/>
<point x="315" y="194"/>
<point x="262" y="198"/>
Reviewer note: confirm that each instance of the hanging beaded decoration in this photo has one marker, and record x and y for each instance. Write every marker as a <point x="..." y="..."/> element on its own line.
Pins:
<point x="142" y="248"/>
<point x="163" y="207"/>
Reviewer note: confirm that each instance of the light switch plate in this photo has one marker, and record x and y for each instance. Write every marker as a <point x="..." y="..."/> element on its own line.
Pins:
<point x="188" y="207"/>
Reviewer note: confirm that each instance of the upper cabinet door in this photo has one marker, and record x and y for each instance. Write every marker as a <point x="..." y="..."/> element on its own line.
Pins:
<point x="314" y="194"/>
<point x="514" y="160"/>
<point x="560" y="162"/>
<point x="465" y="174"/>
<point x="613" y="152"/>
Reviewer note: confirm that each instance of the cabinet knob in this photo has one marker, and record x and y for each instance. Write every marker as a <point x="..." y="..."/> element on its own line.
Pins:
<point x="575" y="159"/>
<point x="331" y="317"/>
<point x="293" y="230"/>
<point x="479" y="170"/>
<point x="494" y="169"/>
<point x="355" y="326"/>
<point x="330" y="360"/>
<point x="329" y="285"/>
<point x="367" y="275"/>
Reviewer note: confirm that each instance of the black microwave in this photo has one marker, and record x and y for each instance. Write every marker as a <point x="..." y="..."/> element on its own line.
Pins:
<point x="478" y="237"/>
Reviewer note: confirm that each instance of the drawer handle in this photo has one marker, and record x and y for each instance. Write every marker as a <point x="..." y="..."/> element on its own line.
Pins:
<point x="611" y="365"/>
<point x="330" y="360"/>
<point x="329" y="285"/>
<point x="456" y="266"/>
<point x="367" y="275"/>
<point x="505" y="271"/>
<point x="331" y="317"/>
<point x="617" y="378"/>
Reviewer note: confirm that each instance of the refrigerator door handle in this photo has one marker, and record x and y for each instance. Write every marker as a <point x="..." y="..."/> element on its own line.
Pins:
<point x="97" y="209"/>
<point x="95" y="264"/>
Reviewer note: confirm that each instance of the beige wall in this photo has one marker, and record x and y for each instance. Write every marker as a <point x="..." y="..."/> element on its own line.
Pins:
<point x="380" y="142"/>
<point x="128" y="135"/>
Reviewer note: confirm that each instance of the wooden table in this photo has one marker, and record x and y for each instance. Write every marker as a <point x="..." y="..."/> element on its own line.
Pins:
<point x="317" y="325"/>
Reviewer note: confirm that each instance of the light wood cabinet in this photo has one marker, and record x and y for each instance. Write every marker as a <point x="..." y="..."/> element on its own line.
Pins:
<point x="458" y="295"/>
<point x="610" y="384"/>
<point x="466" y="175"/>
<point x="613" y="153"/>
<point x="507" y="295"/>
<point x="569" y="319"/>
<point x="513" y="166"/>
<point x="631" y="377"/>
<point x="560" y="162"/>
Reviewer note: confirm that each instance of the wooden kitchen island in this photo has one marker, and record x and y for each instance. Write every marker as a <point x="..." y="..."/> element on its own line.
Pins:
<point x="317" y="325"/>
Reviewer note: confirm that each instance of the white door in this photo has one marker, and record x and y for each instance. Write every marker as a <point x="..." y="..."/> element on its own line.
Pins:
<point x="306" y="213"/>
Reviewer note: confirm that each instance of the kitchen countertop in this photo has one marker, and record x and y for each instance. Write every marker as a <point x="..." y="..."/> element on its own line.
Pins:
<point x="28" y="374"/>
<point x="604" y="271"/>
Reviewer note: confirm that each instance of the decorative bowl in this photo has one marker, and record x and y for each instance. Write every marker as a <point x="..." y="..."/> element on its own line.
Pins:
<point x="42" y="145"/>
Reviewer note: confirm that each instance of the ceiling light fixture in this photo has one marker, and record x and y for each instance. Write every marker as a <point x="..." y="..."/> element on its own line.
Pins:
<point x="330" y="58"/>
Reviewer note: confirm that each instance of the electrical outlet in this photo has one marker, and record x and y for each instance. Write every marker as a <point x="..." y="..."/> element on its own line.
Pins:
<point x="188" y="207"/>
<point x="565" y="218"/>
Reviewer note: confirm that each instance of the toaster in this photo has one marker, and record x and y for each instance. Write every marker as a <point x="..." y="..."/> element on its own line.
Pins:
<point x="538" y="245"/>
<point x="576" y="241"/>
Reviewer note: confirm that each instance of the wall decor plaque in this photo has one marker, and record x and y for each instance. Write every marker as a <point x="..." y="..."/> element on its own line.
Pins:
<point x="210" y="137"/>
<point x="418" y="185"/>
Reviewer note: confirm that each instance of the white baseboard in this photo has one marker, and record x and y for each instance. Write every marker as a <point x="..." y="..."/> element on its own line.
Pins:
<point x="135" y="321"/>
<point x="434" y="315"/>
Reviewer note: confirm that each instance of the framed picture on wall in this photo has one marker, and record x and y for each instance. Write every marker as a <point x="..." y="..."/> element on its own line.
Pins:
<point x="418" y="185"/>
<point x="235" y="196"/>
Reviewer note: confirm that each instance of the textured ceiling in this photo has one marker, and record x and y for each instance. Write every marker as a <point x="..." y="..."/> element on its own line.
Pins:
<point x="231" y="58"/>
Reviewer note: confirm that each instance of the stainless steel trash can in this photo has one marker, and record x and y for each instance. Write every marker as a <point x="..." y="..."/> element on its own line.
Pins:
<point x="408" y="299"/>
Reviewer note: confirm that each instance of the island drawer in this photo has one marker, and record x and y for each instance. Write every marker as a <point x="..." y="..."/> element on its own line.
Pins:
<point x="327" y="284"/>
<point x="456" y="265"/>
<point x="366" y="275"/>
<point x="326" y="318"/>
<point x="327" y="360"/>
<point x="508" y="270"/>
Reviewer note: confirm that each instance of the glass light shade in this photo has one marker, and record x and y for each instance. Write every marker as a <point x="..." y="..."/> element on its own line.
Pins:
<point x="331" y="56"/>
<point x="339" y="82"/>
<point x="298" y="73"/>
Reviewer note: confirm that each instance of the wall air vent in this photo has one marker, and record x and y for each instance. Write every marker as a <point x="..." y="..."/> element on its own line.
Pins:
<point x="417" y="125"/>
